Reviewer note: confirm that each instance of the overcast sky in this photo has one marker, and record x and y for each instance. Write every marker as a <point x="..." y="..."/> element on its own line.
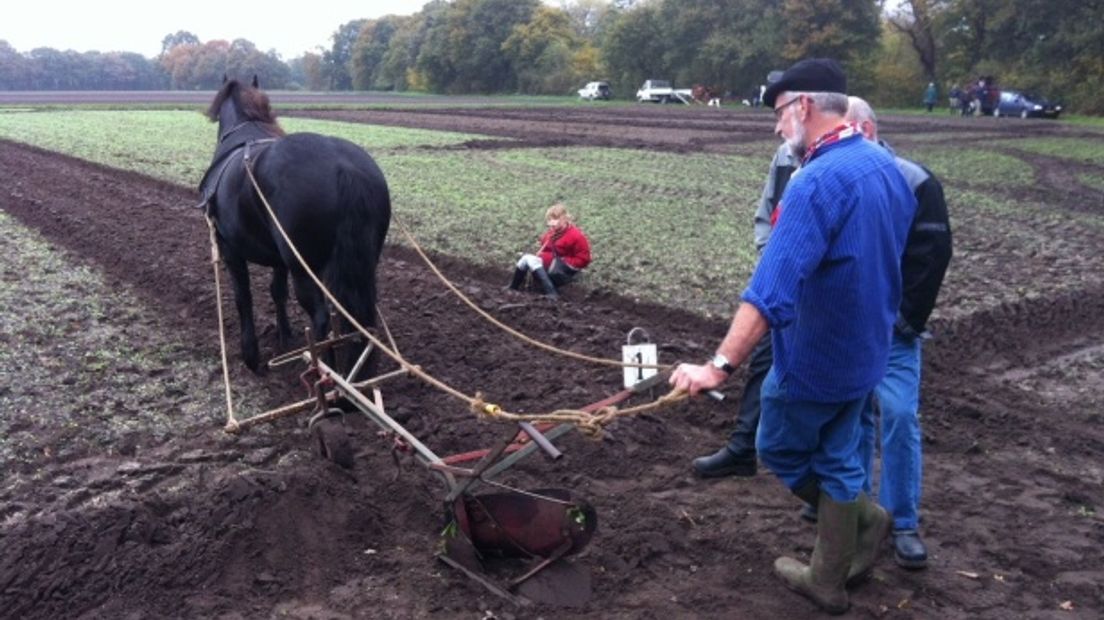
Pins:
<point x="139" y="25"/>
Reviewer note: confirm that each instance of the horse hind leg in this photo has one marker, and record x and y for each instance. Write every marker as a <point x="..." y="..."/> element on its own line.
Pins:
<point x="279" y="291"/>
<point x="243" y="300"/>
<point x="313" y="303"/>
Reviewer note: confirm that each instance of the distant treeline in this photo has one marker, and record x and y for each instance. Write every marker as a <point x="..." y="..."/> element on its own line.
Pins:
<point x="1054" y="47"/>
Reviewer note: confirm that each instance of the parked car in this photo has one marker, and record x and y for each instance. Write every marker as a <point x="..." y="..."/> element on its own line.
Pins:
<point x="596" y="90"/>
<point x="1025" y="105"/>
<point x="661" y="91"/>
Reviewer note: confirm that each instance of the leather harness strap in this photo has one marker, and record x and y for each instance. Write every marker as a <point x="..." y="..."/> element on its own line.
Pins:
<point x="210" y="183"/>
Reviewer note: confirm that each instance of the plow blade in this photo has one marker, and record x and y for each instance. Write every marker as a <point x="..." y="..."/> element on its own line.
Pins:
<point x="543" y="524"/>
<point x="541" y="527"/>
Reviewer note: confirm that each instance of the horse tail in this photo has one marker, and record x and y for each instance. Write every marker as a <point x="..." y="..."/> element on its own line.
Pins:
<point x="365" y="217"/>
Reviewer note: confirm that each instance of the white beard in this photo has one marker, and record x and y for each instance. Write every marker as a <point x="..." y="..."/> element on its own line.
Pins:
<point x="796" y="141"/>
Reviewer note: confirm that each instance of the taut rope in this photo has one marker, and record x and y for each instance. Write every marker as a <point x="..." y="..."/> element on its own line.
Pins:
<point x="231" y="423"/>
<point x="506" y="328"/>
<point x="589" y="424"/>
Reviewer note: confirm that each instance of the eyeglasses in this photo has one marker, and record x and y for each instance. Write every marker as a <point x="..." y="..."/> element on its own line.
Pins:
<point x="778" y="110"/>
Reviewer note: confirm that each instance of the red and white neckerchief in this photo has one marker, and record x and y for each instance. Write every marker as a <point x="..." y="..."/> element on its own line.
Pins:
<point x="842" y="132"/>
<point x="839" y="134"/>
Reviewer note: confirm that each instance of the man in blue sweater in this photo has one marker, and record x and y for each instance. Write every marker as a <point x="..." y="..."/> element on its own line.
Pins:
<point x="828" y="287"/>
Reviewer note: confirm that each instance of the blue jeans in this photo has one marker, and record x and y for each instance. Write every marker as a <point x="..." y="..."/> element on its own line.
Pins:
<point x="802" y="441"/>
<point x="898" y="401"/>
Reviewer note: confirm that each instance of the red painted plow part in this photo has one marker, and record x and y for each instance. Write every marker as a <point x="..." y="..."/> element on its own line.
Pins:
<point x="541" y="526"/>
<point x="544" y="523"/>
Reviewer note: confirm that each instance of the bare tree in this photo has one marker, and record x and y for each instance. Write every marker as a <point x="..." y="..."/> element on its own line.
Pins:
<point x="914" y="18"/>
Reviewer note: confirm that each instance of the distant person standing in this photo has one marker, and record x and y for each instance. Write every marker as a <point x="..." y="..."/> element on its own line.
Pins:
<point x="931" y="96"/>
<point x="955" y="99"/>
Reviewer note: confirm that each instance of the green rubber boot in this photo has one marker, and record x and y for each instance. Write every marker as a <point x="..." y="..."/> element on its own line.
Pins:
<point x="875" y="525"/>
<point x="823" y="580"/>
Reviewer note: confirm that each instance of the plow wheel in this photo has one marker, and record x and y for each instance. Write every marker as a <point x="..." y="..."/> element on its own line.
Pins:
<point x="332" y="440"/>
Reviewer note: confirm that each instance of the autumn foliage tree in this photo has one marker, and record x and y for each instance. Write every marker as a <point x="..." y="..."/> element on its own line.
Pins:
<point x="891" y="50"/>
<point x="547" y="54"/>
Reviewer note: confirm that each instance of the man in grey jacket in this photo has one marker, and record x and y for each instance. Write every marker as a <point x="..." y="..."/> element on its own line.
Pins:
<point x="737" y="457"/>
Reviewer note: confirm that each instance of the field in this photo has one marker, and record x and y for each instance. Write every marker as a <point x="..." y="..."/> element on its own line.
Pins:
<point x="123" y="497"/>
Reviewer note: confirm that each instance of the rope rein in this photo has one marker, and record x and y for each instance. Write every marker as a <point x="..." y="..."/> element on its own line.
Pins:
<point x="231" y="422"/>
<point x="506" y="328"/>
<point x="589" y="424"/>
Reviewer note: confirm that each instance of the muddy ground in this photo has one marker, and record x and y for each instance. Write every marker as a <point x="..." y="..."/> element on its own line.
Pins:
<point x="123" y="498"/>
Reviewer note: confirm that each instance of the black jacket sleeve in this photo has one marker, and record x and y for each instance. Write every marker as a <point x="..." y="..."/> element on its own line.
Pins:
<point x="927" y="254"/>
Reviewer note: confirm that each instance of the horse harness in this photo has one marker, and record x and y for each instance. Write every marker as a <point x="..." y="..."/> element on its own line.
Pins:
<point x="248" y="152"/>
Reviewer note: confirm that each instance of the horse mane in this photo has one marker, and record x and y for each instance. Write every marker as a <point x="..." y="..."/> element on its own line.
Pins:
<point x="252" y="102"/>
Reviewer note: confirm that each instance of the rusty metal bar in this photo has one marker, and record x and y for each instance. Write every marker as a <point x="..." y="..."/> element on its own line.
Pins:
<point x="307" y="403"/>
<point x="526" y="450"/>
<point x="284" y="358"/>
<point x="540" y="440"/>
<point x="384" y="421"/>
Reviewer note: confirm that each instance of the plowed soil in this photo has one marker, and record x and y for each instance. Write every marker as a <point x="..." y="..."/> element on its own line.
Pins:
<point x="135" y="504"/>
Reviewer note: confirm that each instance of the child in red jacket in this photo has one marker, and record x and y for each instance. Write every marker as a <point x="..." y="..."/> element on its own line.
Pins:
<point x="564" y="251"/>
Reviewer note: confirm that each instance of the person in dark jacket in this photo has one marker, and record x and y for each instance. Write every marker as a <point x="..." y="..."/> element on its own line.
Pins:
<point x="564" y="251"/>
<point x="738" y="456"/>
<point x="923" y="265"/>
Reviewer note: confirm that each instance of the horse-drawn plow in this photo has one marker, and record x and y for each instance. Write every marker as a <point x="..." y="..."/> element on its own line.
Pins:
<point x="538" y="527"/>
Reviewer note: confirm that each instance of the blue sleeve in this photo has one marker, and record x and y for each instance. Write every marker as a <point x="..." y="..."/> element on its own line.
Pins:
<point x="799" y="242"/>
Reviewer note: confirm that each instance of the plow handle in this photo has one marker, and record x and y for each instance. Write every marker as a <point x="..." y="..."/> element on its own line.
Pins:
<point x="540" y="440"/>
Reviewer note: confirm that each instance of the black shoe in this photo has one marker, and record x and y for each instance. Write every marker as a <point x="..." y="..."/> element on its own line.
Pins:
<point x="908" y="550"/>
<point x="809" y="513"/>
<point x="725" y="463"/>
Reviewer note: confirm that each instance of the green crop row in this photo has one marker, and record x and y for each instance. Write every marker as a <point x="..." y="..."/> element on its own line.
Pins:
<point x="177" y="145"/>
<point x="649" y="242"/>
<point x="665" y="227"/>
<point x="1077" y="149"/>
<point x="971" y="166"/>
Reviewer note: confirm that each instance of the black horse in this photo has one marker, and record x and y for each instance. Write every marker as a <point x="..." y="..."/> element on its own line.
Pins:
<point x="329" y="196"/>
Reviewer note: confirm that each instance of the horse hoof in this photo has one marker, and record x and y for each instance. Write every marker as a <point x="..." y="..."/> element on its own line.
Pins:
<point x="253" y="362"/>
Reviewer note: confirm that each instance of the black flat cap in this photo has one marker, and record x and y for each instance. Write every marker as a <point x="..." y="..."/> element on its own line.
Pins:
<point x="812" y="75"/>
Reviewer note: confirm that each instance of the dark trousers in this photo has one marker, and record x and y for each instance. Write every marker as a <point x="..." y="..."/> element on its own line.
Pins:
<point x="742" y="440"/>
<point x="560" y="273"/>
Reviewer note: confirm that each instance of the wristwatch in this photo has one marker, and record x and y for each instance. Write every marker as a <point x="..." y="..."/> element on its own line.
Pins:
<point x="721" y="362"/>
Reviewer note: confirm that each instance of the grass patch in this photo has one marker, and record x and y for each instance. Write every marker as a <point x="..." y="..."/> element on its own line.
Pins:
<point x="651" y="241"/>
<point x="681" y="177"/>
<point x="1093" y="180"/>
<point x="971" y="166"/>
<point x="177" y="145"/>
<point x="1081" y="119"/>
<point x="1076" y="149"/>
<point x="59" y="318"/>
<point x="1008" y="251"/>
<point x="669" y="228"/>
